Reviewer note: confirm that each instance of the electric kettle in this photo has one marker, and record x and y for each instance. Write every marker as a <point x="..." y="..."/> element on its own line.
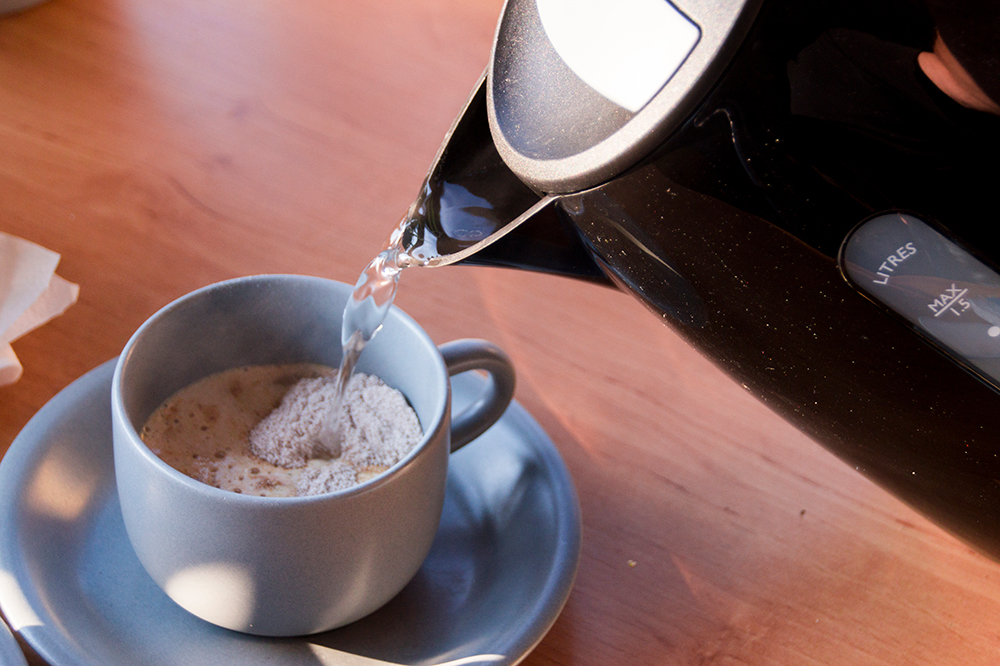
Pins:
<point x="780" y="183"/>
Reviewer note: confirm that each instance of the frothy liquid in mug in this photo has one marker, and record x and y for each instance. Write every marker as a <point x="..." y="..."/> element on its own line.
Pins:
<point x="247" y="429"/>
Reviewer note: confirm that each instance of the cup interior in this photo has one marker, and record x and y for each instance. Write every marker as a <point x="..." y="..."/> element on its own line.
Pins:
<point x="270" y="319"/>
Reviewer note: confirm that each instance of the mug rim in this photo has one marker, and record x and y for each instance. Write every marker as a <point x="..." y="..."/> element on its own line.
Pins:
<point x="120" y="414"/>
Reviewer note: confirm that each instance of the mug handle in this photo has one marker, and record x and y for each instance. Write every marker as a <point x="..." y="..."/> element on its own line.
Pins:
<point x="464" y="355"/>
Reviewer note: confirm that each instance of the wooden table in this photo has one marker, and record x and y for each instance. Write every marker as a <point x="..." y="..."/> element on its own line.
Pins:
<point x="161" y="145"/>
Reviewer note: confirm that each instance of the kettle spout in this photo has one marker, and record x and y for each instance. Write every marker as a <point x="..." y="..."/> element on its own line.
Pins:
<point x="476" y="211"/>
<point x="547" y="242"/>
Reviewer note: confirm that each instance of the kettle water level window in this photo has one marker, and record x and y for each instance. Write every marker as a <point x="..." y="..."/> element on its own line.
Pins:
<point x="917" y="272"/>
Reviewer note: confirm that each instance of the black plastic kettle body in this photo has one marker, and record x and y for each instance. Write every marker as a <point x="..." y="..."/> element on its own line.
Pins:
<point x="799" y="201"/>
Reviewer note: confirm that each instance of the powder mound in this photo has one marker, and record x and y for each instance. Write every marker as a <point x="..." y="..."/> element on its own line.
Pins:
<point x="331" y="477"/>
<point x="284" y="437"/>
<point x="378" y="426"/>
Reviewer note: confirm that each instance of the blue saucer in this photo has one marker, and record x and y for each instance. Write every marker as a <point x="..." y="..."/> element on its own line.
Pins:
<point x="498" y="575"/>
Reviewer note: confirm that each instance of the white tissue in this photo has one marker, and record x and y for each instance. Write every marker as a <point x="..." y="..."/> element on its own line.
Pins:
<point x="30" y="295"/>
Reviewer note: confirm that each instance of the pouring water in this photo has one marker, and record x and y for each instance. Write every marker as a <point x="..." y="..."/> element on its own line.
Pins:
<point x="417" y="241"/>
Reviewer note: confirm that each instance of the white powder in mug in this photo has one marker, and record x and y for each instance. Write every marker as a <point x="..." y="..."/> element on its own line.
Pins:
<point x="378" y="426"/>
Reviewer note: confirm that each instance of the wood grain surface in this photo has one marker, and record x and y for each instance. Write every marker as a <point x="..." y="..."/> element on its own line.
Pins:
<point x="161" y="145"/>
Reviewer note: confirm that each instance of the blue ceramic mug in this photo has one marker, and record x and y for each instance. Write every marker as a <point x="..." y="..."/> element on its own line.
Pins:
<point x="280" y="566"/>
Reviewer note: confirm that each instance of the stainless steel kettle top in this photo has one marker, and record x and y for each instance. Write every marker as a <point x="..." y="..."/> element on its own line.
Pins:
<point x="578" y="91"/>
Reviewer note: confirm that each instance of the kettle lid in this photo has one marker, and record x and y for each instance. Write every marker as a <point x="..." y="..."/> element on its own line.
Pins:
<point x="580" y="90"/>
